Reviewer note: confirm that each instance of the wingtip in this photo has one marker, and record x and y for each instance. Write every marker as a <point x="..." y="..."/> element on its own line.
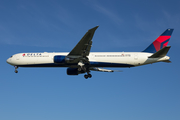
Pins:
<point x="96" y="27"/>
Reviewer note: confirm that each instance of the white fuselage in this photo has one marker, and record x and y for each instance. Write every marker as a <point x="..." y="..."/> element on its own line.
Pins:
<point x="96" y="59"/>
<point x="80" y="60"/>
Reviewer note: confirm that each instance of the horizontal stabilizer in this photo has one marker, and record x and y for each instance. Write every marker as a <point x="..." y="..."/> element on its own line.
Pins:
<point x="161" y="53"/>
<point x="167" y="61"/>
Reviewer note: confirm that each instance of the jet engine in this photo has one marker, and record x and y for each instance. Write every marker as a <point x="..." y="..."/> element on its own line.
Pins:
<point x="74" y="71"/>
<point x="59" y="59"/>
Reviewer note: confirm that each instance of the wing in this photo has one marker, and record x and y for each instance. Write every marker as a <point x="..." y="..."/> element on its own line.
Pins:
<point x="83" y="47"/>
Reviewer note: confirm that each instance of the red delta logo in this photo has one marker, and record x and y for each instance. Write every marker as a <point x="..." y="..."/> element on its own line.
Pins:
<point x="23" y="55"/>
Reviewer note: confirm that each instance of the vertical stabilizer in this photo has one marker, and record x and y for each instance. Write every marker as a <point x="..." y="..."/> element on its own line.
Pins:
<point x="160" y="42"/>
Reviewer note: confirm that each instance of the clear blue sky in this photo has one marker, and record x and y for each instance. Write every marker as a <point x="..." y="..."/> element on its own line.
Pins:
<point x="148" y="92"/>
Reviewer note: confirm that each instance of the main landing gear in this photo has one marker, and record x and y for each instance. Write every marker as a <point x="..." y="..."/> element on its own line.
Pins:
<point x="16" y="67"/>
<point x="87" y="76"/>
<point x="83" y="69"/>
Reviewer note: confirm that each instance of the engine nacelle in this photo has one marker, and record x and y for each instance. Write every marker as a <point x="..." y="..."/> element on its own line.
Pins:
<point x="74" y="71"/>
<point x="59" y="59"/>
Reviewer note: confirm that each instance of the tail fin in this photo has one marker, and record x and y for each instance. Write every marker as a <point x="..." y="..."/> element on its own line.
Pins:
<point x="160" y="42"/>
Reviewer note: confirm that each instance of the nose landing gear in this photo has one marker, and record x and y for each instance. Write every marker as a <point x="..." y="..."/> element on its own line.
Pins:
<point x="16" y="67"/>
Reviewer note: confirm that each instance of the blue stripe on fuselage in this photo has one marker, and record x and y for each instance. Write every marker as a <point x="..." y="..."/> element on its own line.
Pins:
<point x="106" y="64"/>
<point x="92" y="64"/>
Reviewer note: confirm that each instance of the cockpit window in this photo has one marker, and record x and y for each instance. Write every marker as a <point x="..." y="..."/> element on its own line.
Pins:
<point x="11" y="56"/>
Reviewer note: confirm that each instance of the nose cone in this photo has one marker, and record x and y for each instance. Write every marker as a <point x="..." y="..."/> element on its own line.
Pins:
<point x="8" y="60"/>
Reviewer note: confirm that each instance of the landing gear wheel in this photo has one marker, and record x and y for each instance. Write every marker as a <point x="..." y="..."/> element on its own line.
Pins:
<point x="86" y="76"/>
<point x="89" y="75"/>
<point x="16" y="67"/>
<point x="16" y="71"/>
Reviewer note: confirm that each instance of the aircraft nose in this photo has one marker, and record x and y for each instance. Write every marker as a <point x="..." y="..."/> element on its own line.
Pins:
<point x="8" y="60"/>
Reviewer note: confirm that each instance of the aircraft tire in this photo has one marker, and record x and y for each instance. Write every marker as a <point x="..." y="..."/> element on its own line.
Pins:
<point x="16" y="71"/>
<point x="89" y="75"/>
<point x="86" y="76"/>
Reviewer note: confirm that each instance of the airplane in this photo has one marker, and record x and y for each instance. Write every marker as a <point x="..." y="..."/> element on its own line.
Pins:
<point x="80" y="60"/>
